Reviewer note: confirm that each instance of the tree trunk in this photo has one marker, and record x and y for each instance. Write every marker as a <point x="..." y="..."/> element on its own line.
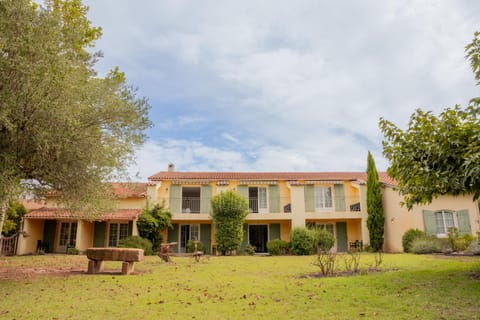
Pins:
<point x="3" y="212"/>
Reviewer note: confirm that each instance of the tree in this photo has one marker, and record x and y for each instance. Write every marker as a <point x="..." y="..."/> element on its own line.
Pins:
<point x="376" y="219"/>
<point x="152" y="222"/>
<point x="62" y="127"/>
<point x="229" y="210"/>
<point x="13" y="218"/>
<point x="437" y="155"/>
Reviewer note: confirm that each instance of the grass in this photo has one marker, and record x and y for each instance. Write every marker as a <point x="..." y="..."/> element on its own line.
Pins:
<point x="423" y="287"/>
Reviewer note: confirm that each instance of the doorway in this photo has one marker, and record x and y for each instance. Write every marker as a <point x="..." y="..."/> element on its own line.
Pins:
<point x="258" y="237"/>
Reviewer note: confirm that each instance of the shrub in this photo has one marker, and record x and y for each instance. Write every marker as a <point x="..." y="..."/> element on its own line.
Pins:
<point x="137" y="242"/>
<point x="277" y="247"/>
<point x="459" y="243"/>
<point x="249" y="249"/>
<point x="409" y="236"/>
<point x="425" y="246"/>
<point x="474" y="248"/>
<point x="229" y="210"/>
<point x="151" y="222"/>
<point x="191" y="246"/>
<point x="73" y="251"/>
<point x="324" y="240"/>
<point x="303" y="241"/>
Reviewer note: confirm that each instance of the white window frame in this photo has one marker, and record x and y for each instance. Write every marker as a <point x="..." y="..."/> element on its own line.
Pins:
<point x="194" y="234"/>
<point x="320" y="192"/>
<point x="262" y="204"/>
<point x="118" y="236"/>
<point x="442" y="222"/>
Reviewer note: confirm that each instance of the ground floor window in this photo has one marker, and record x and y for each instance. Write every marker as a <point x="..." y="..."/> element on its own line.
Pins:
<point x="445" y="220"/>
<point x="117" y="232"/>
<point x="68" y="234"/>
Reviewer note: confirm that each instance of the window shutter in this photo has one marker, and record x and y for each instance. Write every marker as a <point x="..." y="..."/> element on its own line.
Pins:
<point x="339" y="197"/>
<point x="463" y="220"/>
<point x="99" y="234"/>
<point x="205" y="236"/>
<point x="274" y="198"/>
<point x="205" y="198"/>
<point x="429" y="223"/>
<point x="245" y="236"/>
<point x="309" y="198"/>
<point x="341" y="236"/>
<point x="274" y="230"/>
<point x="173" y="236"/>
<point x="243" y="191"/>
<point x="175" y="198"/>
<point x="130" y="228"/>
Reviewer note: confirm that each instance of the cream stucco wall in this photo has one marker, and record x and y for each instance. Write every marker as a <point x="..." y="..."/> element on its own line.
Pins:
<point x="130" y="203"/>
<point x="398" y="219"/>
<point x="84" y="235"/>
<point x="34" y="229"/>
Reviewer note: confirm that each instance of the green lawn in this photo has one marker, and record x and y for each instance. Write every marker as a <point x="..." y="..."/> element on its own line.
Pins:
<point x="422" y="287"/>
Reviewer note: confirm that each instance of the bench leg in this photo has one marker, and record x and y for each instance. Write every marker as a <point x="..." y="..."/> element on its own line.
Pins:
<point x="95" y="266"/>
<point x="127" y="267"/>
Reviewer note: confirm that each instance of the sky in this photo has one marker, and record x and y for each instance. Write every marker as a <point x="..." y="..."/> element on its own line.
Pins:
<point x="283" y="85"/>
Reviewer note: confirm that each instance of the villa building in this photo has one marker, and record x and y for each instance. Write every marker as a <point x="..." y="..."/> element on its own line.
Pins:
<point x="278" y="203"/>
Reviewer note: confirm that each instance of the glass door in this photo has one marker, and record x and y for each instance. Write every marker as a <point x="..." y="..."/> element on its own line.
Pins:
<point x="68" y="236"/>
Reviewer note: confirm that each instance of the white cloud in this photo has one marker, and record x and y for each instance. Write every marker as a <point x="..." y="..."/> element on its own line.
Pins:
<point x="290" y="86"/>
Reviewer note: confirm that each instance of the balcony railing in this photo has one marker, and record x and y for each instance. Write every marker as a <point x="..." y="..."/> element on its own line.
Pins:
<point x="190" y="205"/>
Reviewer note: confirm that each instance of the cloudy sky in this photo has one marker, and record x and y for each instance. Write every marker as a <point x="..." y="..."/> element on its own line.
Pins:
<point x="283" y="85"/>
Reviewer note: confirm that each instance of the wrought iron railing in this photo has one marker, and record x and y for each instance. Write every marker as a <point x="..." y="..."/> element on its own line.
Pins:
<point x="190" y="205"/>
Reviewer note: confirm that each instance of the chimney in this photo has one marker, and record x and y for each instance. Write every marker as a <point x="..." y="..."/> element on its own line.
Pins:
<point x="171" y="167"/>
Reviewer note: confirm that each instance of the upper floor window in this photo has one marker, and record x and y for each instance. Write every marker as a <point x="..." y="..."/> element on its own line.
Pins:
<point x="323" y="197"/>
<point x="191" y="199"/>
<point x="257" y="199"/>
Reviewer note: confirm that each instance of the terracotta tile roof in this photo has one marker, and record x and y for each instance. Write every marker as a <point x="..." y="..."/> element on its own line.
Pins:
<point x="130" y="189"/>
<point x="59" y="213"/>
<point x="287" y="176"/>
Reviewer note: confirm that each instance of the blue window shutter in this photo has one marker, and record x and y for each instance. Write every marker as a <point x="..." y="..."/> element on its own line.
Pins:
<point x="429" y="224"/>
<point x="463" y="220"/>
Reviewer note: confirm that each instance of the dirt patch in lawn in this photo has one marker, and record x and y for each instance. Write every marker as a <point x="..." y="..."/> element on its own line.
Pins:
<point x="28" y="273"/>
<point x="347" y="273"/>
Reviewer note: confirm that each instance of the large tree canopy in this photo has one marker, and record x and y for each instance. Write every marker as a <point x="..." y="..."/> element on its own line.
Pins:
<point x="437" y="155"/>
<point x="62" y="126"/>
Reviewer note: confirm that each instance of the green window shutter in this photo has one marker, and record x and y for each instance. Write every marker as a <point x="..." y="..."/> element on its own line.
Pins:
<point x="99" y="234"/>
<point x="49" y="230"/>
<point x="274" y="231"/>
<point x="173" y="236"/>
<point x="243" y="191"/>
<point x="463" y="220"/>
<point x="429" y="224"/>
<point x="274" y="198"/>
<point x="245" y="237"/>
<point x="175" y="198"/>
<point x="205" y="199"/>
<point x="130" y="228"/>
<point x="339" y="197"/>
<point x="309" y="198"/>
<point x="205" y="230"/>
<point x="341" y="236"/>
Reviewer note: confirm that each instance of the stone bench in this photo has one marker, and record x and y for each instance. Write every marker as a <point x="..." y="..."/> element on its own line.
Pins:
<point x="97" y="256"/>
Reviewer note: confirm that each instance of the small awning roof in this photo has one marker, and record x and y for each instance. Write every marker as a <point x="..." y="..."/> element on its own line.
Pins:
<point x="59" y="213"/>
